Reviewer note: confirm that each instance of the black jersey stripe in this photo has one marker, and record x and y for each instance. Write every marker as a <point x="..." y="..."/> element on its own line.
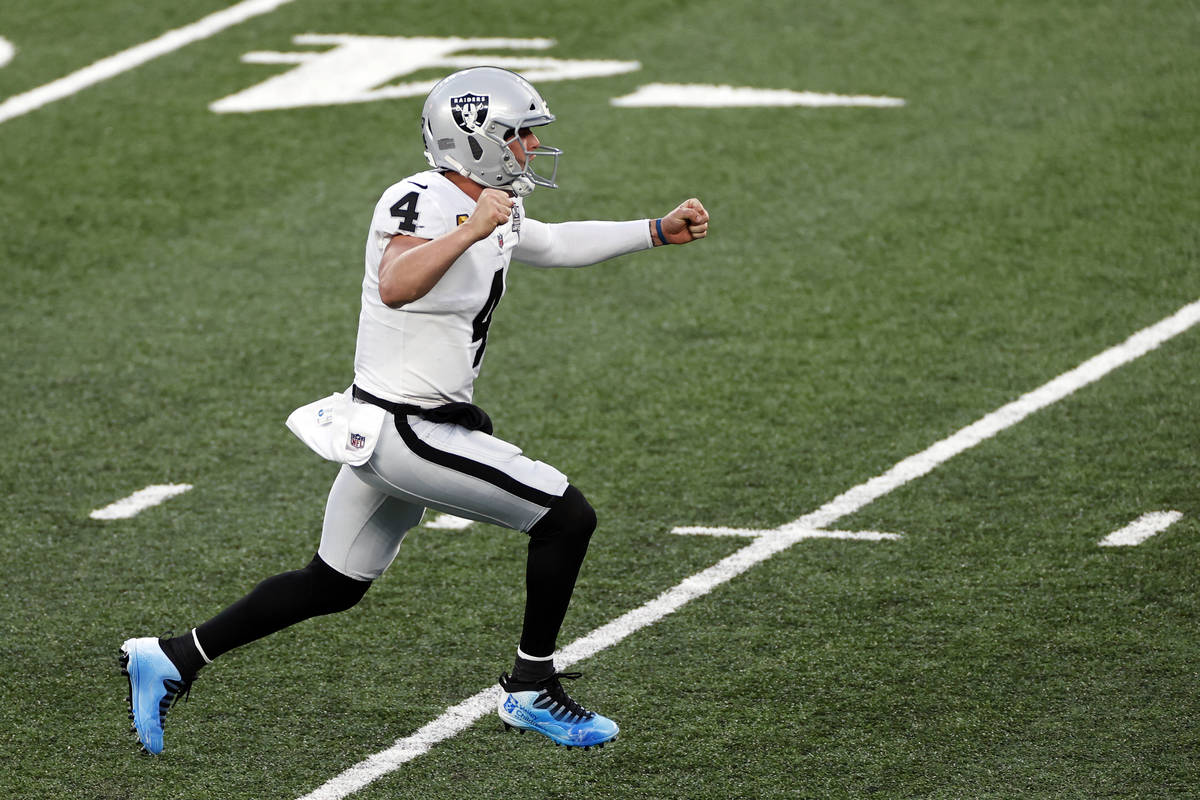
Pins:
<point x="467" y="466"/>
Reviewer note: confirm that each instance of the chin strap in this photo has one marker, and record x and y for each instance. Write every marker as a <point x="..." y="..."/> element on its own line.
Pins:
<point x="522" y="186"/>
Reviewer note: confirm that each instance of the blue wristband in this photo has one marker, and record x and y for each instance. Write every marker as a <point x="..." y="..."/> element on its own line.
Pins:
<point x="658" y="227"/>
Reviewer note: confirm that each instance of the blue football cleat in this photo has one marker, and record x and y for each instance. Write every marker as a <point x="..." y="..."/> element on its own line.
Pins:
<point x="545" y="707"/>
<point x="154" y="686"/>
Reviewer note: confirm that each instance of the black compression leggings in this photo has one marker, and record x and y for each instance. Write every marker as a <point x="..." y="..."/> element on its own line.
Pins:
<point x="280" y="601"/>
<point x="557" y="545"/>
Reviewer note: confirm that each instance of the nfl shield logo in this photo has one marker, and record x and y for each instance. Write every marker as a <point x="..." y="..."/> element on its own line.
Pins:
<point x="469" y="111"/>
<point x="358" y="441"/>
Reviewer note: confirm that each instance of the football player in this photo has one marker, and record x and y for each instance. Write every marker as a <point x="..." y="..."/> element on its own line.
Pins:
<point x="437" y="259"/>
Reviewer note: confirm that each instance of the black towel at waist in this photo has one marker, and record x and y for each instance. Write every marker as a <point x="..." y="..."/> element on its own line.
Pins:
<point x="470" y="416"/>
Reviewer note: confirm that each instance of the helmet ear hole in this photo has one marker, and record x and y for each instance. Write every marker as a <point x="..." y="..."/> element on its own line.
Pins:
<point x="476" y="150"/>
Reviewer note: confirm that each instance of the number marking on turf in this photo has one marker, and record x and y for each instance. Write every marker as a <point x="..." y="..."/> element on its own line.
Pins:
<point x="7" y="51"/>
<point x="135" y="56"/>
<point x="764" y="545"/>
<point x="139" y="501"/>
<point x="1141" y="529"/>
<point x="362" y="69"/>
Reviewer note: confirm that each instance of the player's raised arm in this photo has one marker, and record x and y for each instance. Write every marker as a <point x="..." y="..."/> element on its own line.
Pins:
<point x="579" y="244"/>
<point x="411" y="266"/>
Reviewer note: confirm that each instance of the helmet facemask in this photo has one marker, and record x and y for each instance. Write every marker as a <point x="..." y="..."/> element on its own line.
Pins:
<point x="510" y="162"/>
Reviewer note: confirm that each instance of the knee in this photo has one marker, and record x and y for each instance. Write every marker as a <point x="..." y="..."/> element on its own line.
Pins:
<point x="331" y="590"/>
<point x="570" y="514"/>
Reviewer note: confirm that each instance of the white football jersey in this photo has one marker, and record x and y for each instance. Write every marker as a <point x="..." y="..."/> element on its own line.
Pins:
<point x="429" y="351"/>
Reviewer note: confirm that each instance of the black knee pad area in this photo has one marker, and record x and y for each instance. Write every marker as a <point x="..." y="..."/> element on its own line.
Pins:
<point x="571" y="514"/>
<point x="331" y="590"/>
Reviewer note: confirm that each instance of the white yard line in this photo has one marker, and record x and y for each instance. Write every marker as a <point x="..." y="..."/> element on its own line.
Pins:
<point x="139" y="501"/>
<point x="917" y="465"/>
<point x="811" y="533"/>
<point x="1141" y="529"/>
<point x="135" y="56"/>
<point x="766" y="544"/>
<point x="681" y="95"/>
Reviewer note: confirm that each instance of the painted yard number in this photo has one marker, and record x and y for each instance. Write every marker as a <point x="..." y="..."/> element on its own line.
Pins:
<point x="362" y="69"/>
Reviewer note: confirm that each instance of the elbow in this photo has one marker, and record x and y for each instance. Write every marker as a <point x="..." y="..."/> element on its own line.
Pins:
<point x="389" y="298"/>
<point x="396" y="291"/>
<point x="393" y="297"/>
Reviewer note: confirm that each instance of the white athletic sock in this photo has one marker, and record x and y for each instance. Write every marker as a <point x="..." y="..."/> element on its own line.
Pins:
<point x="527" y="657"/>
<point x="199" y="649"/>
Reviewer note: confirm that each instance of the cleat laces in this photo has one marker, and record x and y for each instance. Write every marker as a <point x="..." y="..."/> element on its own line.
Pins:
<point x="175" y="690"/>
<point x="553" y="698"/>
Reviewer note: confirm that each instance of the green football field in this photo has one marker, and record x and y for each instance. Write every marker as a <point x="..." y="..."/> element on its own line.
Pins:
<point x="977" y="202"/>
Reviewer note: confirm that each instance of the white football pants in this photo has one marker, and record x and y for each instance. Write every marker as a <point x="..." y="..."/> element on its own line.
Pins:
<point x="422" y="465"/>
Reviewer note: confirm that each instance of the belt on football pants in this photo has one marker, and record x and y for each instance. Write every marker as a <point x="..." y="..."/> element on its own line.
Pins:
<point x="468" y="415"/>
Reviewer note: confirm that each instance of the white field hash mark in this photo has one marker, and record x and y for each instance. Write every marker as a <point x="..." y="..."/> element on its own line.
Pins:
<point x="139" y="501"/>
<point x="766" y="543"/>
<point x="135" y="56"/>
<point x="1141" y="529"/>
<point x="448" y="522"/>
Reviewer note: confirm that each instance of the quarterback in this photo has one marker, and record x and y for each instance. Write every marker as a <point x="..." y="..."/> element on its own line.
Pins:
<point x="437" y="263"/>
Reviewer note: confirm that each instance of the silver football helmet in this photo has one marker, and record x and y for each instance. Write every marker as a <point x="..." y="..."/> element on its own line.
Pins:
<point x="472" y="116"/>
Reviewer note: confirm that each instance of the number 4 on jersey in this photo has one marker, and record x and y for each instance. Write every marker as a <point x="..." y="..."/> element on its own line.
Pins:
<point x="405" y="212"/>
<point x="483" y="320"/>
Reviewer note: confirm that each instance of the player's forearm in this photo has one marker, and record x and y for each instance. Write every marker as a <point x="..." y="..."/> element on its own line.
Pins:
<point x="408" y="275"/>
<point x="578" y="244"/>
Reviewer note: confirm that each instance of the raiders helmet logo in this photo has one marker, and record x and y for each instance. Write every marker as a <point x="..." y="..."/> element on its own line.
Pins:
<point x="469" y="111"/>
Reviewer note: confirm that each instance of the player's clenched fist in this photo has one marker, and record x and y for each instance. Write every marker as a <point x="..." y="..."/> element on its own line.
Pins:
<point x="492" y="210"/>
<point x="686" y="223"/>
